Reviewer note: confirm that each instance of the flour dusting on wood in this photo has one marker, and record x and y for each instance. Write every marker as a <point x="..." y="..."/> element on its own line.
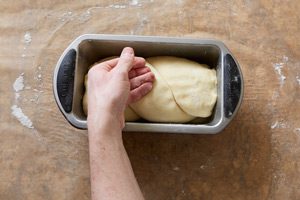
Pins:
<point x="18" y="86"/>
<point x="27" y="38"/>
<point x="86" y="15"/>
<point x="16" y="111"/>
<point x="279" y="124"/>
<point x="117" y="6"/>
<point x="66" y="16"/>
<point x="23" y="119"/>
<point x="298" y="79"/>
<point x="278" y="69"/>
<point x="134" y="2"/>
<point x="274" y="125"/>
<point x="19" y="83"/>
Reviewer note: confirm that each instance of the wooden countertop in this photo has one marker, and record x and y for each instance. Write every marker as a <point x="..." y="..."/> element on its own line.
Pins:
<point x="255" y="157"/>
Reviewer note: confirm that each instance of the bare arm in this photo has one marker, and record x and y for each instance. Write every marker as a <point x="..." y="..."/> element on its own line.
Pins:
<point x="112" y="85"/>
<point x="111" y="172"/>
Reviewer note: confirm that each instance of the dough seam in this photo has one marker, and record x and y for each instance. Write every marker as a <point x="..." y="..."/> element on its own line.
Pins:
<point x="172" y="92"/>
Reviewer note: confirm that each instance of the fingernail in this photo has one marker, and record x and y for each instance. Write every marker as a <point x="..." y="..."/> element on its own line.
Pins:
<point x="153" y="75"/>
<point x="127" y="51"/>
<point x="148" y="89"/>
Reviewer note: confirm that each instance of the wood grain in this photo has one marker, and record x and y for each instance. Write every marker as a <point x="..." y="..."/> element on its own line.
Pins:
<point x="255" y="157"/>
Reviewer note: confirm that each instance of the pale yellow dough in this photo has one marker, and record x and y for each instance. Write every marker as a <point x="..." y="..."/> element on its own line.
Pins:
<point x="159" y="104"/>
<point x="194" y="85"/>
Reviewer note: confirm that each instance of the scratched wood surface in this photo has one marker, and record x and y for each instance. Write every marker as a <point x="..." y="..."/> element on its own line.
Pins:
<point x="255" y="157"/>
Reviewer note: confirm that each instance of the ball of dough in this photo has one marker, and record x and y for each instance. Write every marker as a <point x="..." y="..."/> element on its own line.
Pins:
<point x="159" y="104"/>
<point x="194" y="85"/>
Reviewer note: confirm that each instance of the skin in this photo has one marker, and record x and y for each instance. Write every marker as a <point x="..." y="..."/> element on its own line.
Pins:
<point x="112" y="85"/>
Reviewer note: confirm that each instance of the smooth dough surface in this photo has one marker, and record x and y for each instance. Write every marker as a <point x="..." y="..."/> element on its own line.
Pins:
<point x="193" y="85"/>
<point x="159" y="104"/>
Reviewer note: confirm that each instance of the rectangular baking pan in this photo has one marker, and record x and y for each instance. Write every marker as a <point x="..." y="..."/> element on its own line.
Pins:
<point x="68" y="78"/>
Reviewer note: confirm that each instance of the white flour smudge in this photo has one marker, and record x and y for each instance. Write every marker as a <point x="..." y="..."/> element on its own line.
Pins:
<point x="297" y="130"/>
<point x="88" y="13"/>
<point x="19" y="83"/>
<point x="134" y="2"/>
<point x="279" y="124"/>
<point x="27" y="38"/>
<point x="278" y="68"/>
<point x="117" y="6"/>
<point x="274" y="125"/>
<point x="66" y="16"/>
<point x="298" y="79"/>
<point x="23" y="119"/>
<point x="18" y="86"/>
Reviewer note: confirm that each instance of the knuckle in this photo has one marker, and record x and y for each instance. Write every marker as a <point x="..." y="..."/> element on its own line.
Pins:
<point x="135" y="83"/>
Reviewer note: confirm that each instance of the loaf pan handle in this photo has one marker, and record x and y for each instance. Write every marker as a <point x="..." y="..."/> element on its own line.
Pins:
<point x="65" y="80"/>
<point x="232" y="85"/>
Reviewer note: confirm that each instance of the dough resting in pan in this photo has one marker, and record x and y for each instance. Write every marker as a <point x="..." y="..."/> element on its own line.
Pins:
<point x="182" y="90"/>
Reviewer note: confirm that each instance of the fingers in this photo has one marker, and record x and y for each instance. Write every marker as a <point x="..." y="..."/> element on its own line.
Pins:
<point x="137" y="72"/>
<point x="138" y="62"/>
<point x="139" y="92"/>
<point x="110" y="62"/>
<point x="125" y="61"/>
<point x="141" y="84"/>
<point x="141" y="79"/>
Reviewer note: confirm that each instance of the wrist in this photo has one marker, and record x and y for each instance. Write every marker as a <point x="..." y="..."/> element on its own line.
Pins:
<point x="104" y="124"/>
<point x="105" y="111"/>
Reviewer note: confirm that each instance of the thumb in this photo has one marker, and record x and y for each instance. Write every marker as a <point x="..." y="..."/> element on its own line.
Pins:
<point x="126" y="60"/>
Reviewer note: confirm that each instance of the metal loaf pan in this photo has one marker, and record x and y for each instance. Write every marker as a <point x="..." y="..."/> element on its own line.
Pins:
<point x="68" y="80"/>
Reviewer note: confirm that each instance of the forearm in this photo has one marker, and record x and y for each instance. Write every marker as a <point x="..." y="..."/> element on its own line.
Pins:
<point x="111" y="172"/>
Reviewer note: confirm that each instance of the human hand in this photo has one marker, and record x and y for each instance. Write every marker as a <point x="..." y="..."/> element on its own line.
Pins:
<point x="114" y="84"/>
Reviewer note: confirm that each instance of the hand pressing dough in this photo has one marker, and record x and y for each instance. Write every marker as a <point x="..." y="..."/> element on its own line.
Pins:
<point x="159" y="104"/>
<point x="130" y="115"/>
<point x="193" y="85"/>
